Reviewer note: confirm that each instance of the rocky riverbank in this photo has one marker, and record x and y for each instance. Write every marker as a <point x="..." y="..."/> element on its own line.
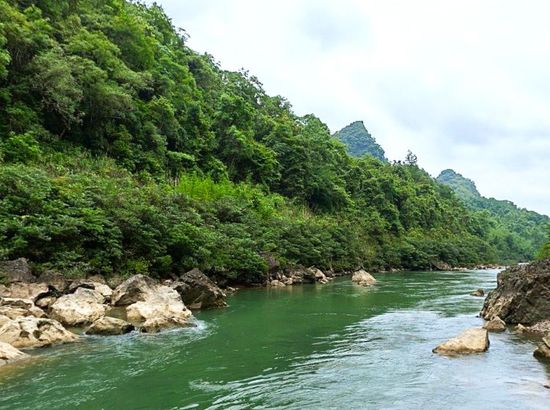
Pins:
<point x="49" y="309"/>
<point x="522" y="298"/>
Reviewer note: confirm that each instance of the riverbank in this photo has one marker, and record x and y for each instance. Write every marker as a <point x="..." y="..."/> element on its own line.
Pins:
<point x="303" y="346"/>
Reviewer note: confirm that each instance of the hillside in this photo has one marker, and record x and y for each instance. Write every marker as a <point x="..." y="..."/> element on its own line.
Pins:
<point x="124" y="151"/>
<point x="518" y="233"/>
<point x="359" y="141"/>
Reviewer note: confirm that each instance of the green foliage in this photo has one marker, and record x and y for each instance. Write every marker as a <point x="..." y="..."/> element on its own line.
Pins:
<point x="360" y="142"/>
<point x="124" y="151"/>
<point x="516" y="234"/>
<point x="544" y="252"/>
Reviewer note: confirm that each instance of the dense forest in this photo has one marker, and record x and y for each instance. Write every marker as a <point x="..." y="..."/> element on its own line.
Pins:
<point x="517" y="234"/>
<point x="360" y="142"/>
<point x="124" y="151"/>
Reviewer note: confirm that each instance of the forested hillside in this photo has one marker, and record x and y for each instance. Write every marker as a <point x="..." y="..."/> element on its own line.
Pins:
<point x="359" y="141"/>
<point x="124" y="151"/>
<point x="517" y="233"/>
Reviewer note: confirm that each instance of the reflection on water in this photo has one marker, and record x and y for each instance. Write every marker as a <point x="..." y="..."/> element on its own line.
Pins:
<point x="331" y="346"/>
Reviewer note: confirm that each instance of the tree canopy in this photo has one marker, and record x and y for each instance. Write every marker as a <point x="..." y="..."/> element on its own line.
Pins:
<point x="123" y="150"/>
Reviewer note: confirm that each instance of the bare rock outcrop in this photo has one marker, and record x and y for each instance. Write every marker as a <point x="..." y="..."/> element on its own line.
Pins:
<point x="15" y="307"/>
<point x="522" y="294"/>
<point x="82" y="307"/>
<point x="474" y="340"/>
<point x="9" y="354"/>
<point x="109" y="326"/>
<point x="197" y="291"/>
<point x="24" y="290"/>
<point x="151" y="306"/>
<point x="17" y="270"/>
<point x="543" y="349"/>
<point x="496" y="324"/>
<point x="363" y="278"/>
<point x="27" y="332"/>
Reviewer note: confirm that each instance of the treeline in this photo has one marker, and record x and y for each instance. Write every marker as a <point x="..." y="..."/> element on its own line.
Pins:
<point x="516" y="233"/>
<point x="124" y="151"/>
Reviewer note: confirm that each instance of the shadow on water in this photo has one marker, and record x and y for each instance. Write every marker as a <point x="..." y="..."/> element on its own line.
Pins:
<point x="330" y="346"/>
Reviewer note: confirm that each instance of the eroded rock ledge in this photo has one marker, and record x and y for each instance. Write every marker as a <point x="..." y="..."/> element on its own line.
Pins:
<point x="522" y="297"/>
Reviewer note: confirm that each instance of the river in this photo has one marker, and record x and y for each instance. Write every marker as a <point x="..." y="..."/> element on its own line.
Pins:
<point x="303" y="347"/>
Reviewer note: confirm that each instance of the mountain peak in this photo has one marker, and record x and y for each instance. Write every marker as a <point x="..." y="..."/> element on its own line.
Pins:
<point x="463" y="187"/>
<point x="359" y="141"/>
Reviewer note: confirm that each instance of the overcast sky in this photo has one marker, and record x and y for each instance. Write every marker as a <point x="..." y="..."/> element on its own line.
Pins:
<point x="463" y="84"/>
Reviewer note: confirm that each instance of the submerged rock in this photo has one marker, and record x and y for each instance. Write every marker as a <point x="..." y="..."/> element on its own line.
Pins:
<point x="8" y="354"/>
<point x="474" y="340"/>
<point x="522" y="294"/>
<point x="197" y="291"/>
<point x="478" y="293"/>
<point x="495" y="325"/>
<point x="26" y="332"/>
<point x="110" y="326"/>
<point x="543" y="349"/>
<point x="363" y="278"/>
<point x="83" y="307"/>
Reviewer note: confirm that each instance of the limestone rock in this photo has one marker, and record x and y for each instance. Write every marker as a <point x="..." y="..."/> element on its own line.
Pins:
<point x="317" y="275"/>
<point x="83" y="307"/>
<point x="478" y="293"/>
<point x="23" y="290"/>
<point x="522" y="294"/>
<point x="474" y="340"/>
<point x="55" y="281"/>
<point x="134" y="289"/>
<point x="95" y="284"/>
<point x="26" y="332"/>
<point x="164" y="302"/>
<point x="276" y="284"/>
<point x="109" y="326"/>
<point x="156" y="324"/>
<point x="15" y="307"/>
<point x="197" y="291"/>
<point x="16" y="271"/>
<point x="45" y="302"/>
<point x="363" y="278"/>
<point x="542" y="327"/>
<point x="8" y="353"/>
<point x="543" y="349"/>
<point x="146" y="300"/>
<point x="495" y="325"/>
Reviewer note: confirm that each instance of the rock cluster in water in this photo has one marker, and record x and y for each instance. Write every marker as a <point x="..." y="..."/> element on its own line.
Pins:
<point x="522" y="297"/>
<point x="41" y="311"/>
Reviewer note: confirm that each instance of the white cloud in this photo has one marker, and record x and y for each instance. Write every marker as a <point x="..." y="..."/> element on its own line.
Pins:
<point x="462" y="84"/>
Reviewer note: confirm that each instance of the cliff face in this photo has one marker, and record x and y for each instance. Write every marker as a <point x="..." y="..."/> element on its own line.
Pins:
<point x="522" y="294"/>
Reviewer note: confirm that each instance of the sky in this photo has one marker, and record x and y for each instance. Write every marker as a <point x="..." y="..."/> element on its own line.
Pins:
<point x="463" y="84"/>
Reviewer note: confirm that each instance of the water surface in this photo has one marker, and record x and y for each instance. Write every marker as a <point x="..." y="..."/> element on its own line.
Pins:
<point x="311" y="346"/>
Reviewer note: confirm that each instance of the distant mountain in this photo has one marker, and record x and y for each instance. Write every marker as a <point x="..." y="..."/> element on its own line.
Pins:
<point x="464" y="188"/>
<point x="360" y="142"/>
<point x="515" y="231"/>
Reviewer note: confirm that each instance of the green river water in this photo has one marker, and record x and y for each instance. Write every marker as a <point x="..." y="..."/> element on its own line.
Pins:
<point x="301" y="347"/>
